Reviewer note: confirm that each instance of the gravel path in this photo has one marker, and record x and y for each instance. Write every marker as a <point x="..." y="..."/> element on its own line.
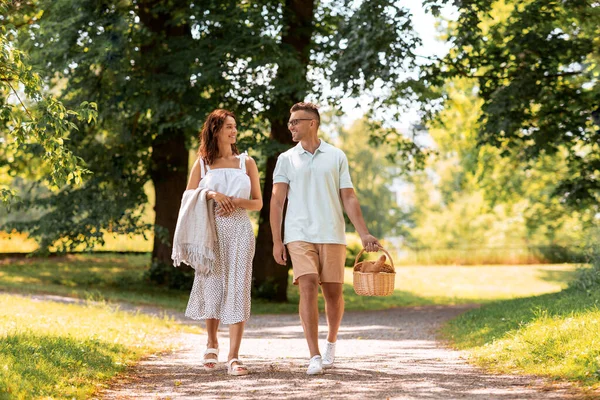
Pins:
<point x="383" y="354"/>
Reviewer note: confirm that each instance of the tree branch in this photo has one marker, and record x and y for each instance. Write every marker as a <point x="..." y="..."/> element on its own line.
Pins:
<point x="20" y="101"/>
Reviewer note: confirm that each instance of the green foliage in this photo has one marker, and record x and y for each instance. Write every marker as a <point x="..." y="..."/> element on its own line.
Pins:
<point x="34" y="123"/>
<point x="372" y="174"/>
<point x="142" y="83"/>
<point x="535" y="66"/>
<point x="377" y="43"/>
<point x="352" y="250"/>
<point x="588" y="279"/>
<point x="474" y="197"/>
<point x="156" y="70"/>
<point x="266" y="290"/>
<point x="180" y="278"/>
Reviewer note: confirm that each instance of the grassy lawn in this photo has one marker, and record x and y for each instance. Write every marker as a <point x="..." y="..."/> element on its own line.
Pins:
<point x="555" y="335"/>
<point x="51" y="350"/>
<point x="76" y="348"/>
<point x="120" y="278"/>
<point x="97" y="277"/>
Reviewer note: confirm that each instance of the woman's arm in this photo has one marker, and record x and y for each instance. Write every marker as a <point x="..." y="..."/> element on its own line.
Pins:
<point x="194" y="180"/>
<point x="255" y="203"/>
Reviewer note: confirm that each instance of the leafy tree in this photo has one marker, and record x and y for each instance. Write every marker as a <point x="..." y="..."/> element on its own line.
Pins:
<point x="474" y="196"/>
<point x="372" y="174"/>
<point x="535" y="66"/>
<point x="347" y="48"/>
<point x="34" y="123"/>
<point x="156" y="68"/>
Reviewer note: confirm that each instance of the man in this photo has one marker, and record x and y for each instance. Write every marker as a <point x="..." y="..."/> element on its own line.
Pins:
<point x="314" y="177"/>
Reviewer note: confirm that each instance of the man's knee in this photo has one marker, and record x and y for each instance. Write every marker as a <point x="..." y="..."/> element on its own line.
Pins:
<point x="333" y="291"/>
<point x="308" y="284"/>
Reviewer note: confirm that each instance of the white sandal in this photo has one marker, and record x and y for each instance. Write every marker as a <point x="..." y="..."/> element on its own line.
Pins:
<point x="211" y="360"/>
<point x="236" y="370"/>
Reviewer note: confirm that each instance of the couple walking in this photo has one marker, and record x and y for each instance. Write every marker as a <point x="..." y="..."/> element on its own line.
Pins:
<point x="315" y="178"/>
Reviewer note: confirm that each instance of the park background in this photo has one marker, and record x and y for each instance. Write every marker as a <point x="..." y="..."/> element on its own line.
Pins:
<point x="471" y="129"/>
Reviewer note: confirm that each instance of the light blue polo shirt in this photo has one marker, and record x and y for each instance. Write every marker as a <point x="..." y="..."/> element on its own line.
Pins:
<point x="314" y="212"/>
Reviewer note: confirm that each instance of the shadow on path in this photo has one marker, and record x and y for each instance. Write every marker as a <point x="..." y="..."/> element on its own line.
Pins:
<point x="381" y="354"/>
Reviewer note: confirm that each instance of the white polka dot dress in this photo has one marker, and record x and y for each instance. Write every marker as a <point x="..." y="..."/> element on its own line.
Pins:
<point x="224" y="293"/>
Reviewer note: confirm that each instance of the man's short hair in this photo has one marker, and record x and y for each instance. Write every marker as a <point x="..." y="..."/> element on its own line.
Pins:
<point x="310" y="107"/>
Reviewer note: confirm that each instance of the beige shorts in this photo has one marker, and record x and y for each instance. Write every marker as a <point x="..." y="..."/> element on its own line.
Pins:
<point x="324" y="259"/>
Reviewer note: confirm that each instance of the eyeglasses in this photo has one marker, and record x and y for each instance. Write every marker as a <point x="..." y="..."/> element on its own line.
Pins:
<point x="294" y="122"/>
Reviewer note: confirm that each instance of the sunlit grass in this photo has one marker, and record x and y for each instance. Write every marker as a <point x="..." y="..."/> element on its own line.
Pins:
<point x="555" y="335"/>
<point x="460" y="284"/>
<point x="52" y="350"/>
<point x="101" y="277"/>
<point x="116" y="277"/>
<point x="21" y="243"/>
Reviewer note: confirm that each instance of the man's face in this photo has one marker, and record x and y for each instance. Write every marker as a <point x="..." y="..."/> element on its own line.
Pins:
<point x="300" y="124"/>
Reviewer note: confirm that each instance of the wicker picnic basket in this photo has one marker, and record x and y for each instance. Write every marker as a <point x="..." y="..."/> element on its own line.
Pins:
<point x="374" y="283"/>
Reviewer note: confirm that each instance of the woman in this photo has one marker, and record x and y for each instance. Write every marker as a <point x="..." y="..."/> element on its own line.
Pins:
<point x="223" y="295"/>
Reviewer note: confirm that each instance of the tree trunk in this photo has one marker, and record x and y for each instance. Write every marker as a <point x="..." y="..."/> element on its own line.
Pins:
<point x="169" y="175"/>
<point x="270" y="280"/>
<point x="169" y="159"/>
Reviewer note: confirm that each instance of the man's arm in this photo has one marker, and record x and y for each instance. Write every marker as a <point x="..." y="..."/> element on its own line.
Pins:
<point x="278" y="197"/>
<point x="352" y="208"/>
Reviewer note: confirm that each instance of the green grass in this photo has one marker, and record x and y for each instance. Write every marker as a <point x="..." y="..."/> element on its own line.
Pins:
<point x="555" y="335"/>
<point x="467" y="284"/>
<point x="513" y="332"/>
<point x="120" y="278"/>
<point x="52" y="350"/>
<point x="21" y="243"/>
<point x="97" y="277"/>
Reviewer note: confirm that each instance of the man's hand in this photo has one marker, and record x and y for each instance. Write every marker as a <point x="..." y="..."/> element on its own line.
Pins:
<point x="280" y="253"/>
<point x="370" y="243"/>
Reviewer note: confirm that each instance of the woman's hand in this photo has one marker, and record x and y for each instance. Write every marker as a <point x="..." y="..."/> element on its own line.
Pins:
<point x="221" y="211"/>
<point x="225" y="205"/>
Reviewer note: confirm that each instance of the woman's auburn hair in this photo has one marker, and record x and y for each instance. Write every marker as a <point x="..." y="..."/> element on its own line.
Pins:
<point x="209" y="146"/>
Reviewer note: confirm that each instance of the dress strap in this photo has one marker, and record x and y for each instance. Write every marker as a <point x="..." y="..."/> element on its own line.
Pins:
<point x="203" y="168"/>
<point x="243" y="161"/>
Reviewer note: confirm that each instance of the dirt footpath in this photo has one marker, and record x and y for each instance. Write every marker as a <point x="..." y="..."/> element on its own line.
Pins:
<point x="383" y="354"/>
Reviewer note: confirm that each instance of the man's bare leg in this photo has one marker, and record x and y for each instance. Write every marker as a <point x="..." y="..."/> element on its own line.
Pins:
<point x="309" y="310"/>
<point x="334" y="307"/>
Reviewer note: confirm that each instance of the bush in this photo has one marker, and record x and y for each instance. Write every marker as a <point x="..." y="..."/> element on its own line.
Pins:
<point x="352" y="250"/>
<point x="589" y="277"/>
<point x="180" y="278"/>
<point x="267" y="290"/>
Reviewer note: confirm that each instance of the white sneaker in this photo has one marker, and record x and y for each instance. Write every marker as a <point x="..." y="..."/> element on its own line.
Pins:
<point x="315" y="366"/>
<point x="329" y="355"/>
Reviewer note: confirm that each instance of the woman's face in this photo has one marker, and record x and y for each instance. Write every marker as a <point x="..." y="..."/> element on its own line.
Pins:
<point x="228" y="133"/>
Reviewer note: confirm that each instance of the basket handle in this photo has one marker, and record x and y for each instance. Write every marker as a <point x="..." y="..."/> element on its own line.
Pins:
<point x="379" y="249"/>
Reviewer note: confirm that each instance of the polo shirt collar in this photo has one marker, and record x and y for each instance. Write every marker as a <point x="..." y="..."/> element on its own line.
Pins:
<point x="323" y="147"/>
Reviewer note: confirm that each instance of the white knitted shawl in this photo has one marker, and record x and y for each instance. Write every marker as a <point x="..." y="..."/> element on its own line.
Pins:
<point x="195" y="234"/>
